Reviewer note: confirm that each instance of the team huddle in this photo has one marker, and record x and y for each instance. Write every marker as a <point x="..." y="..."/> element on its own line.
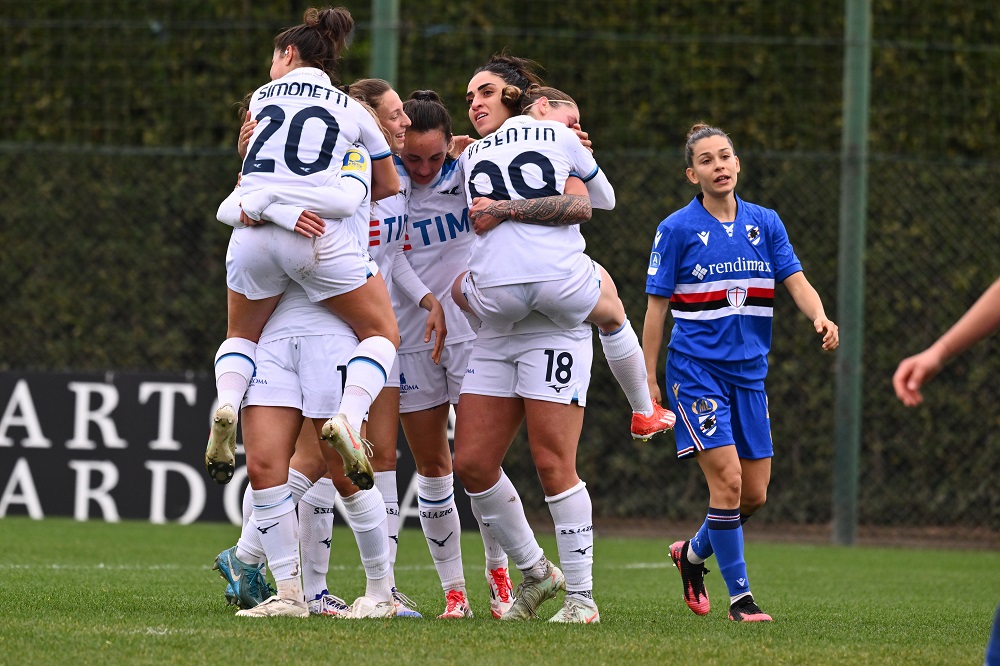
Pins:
<point x="382" y="271"/>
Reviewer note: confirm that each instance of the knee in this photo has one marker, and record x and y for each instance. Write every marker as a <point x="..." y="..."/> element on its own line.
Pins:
<point x="456" y="291"/>
<point x="471" y="471"/>
<point x="751" y="502"/>
<point x="266" y="473"/>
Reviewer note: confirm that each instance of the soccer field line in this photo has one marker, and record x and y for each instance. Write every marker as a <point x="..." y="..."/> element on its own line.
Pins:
<point x="53" y="566"/>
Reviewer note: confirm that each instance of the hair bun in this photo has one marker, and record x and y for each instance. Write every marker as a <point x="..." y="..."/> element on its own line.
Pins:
<point x="426" y="96"/>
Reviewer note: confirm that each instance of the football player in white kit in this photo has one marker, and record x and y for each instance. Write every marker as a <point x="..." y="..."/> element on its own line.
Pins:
<point x="439" y="238"/>
<point x="544" y="268"/>
<point x="384" y="234"/>
<point x="529" y="369"/>
<point x="310" y="127"/>
<point x="301" y="347"/>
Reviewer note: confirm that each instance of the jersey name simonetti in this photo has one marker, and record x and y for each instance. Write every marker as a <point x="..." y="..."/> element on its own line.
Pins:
<point x="438" y="240"/>
<point x="304" y="127"/>
<point x="720" y="280"/>
<point x="525" y="159"/>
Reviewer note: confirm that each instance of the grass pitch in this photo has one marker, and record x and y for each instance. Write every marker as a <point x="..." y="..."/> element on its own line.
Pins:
<point x="132" y="592"/>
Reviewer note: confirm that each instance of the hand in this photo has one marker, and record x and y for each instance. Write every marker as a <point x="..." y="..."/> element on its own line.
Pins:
<point x="459" y="143"/>
<point x="310" y="225"/>
<point x="249" y="221"/>
<point x="829" y="331"/>
<point x="914" y="372"/>
<point x="435" y="324"/>
<point x="584" y="137"/>
<point x="246" y="131"/>
<point x="482" y="220"/>
<point x="654" y="391"/>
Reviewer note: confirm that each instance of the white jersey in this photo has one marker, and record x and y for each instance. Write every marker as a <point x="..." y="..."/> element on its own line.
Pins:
<point x="385" y="232"/>
<point x="439" y="239"/>
<point x="525" y="159"/>
<point x="305" y="126"/>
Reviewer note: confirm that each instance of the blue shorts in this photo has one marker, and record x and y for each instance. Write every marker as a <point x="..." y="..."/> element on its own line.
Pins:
<point x="713" y="413"/>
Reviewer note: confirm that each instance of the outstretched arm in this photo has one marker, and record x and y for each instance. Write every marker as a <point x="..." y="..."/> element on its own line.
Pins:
<point x="982" y="319"/>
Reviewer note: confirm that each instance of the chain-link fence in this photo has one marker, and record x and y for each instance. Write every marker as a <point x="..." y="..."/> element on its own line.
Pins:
<point x="117" y="132"/>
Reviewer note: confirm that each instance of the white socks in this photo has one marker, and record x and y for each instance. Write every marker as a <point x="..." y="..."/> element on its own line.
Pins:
<point x="367" y="371"/>
<point x="386" y="484"/>
<point x="503" y="514"/>
<point x="495" y="557"/>
<point x="366" y="513"/>
<point x="274" y="518"/>
<point x="624" y="355"/>
<point x="439" y="520"/>
<point x="572" y="514"/>
<point x="315" y="531"/>
<point x="234" y="368"/>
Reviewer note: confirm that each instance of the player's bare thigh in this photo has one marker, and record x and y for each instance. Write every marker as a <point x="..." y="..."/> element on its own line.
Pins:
<point x="609" y="313"/>
<point x="269" y="435"/>
<point x="367" y="310"/>
<point x="247" y="317"/>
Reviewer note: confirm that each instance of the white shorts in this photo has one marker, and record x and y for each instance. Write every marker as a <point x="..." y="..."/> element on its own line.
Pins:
<point x="567" y="302"/>
<point x="261" y="260"/>
<point x="553" y="366"/>
<point x="424" y="385"/>
<point x="307" y="373"/>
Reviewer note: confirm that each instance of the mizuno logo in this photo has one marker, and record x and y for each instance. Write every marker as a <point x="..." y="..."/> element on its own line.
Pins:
<point x="257" y="165"/>
<point x="453" y="191"/>
<point x="394" y="537"/>
<point x="263" y="530"/>
<point x="326" y="541"/>
<point x="703" y="235"/>
<point x="583" y="551"/>
<point x="440" y="543"/>
<point x="557" y="389"/>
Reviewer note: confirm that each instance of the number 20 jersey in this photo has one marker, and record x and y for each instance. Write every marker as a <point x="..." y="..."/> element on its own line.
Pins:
<point x="525" y="159"/>
<point x="720" y="277"/>
<point x="304" y="128"/>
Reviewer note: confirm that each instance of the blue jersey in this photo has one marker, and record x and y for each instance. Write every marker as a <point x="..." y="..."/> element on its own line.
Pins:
<point x="720" y="280"/>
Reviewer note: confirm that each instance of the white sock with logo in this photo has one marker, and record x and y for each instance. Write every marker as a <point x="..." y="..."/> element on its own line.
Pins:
<point x="366" y="513"/>
<point x="624" y="355"/>
<point x="386" y="484"/>
<point x="495" y="557"/>
<point x="503" y="514"/>
<point x="572" y="514"/>
<point x="274" y="518"/>
<point x="315" y="530"/>
<point x="442" y="529"/>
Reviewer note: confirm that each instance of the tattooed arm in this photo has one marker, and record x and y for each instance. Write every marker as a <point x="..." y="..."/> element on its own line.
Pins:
<point x="557" y="211"/>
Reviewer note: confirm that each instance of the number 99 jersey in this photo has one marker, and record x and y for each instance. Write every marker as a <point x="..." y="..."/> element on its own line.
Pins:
<point x="304" y="127"/>
<point x="525" y="159"/>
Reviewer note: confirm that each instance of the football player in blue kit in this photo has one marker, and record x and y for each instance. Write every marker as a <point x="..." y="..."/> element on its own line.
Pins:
<point x="714" y="266"/>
